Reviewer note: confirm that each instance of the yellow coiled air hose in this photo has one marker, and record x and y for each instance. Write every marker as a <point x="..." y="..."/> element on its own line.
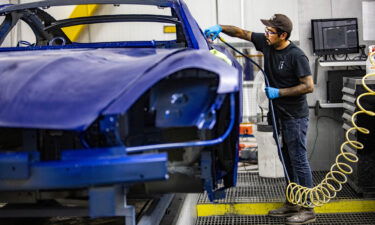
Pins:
<point x="337" y="176"/>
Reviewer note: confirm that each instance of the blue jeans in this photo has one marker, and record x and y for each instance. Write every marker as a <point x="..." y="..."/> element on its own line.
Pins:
<point x="294" y="150"/>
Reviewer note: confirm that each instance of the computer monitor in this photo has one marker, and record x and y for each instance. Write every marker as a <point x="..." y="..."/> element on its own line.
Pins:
<point x="335" y="36"/>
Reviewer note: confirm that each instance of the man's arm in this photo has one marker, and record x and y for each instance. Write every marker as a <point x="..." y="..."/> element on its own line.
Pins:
<point x="236" y="32"/>
<point x="306" y="86"/>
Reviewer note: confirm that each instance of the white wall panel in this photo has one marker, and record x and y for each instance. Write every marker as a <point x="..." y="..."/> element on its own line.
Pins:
<point x="27" y="34"/>
<point x="340" y="10"/>
<point x="130" y="31"/>
<point x="204" y="12"/>
<point x="132" y="9"/>
<point x="22" y="1"/>
<point x="61" y="12"/>
<point x="134" y="31"/>
<point x="368" y="20"/>
<point x="230" y="13"/>
<point x="256" y="10"/>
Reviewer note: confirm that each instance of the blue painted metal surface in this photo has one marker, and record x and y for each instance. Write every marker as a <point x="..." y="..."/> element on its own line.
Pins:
<point x="109" y="127"/>
<point x="131" y="44"/>
<point x="179" y="104"/>
<point x="215" y="141"/>
<point x="194" y="32"/>
<point x="110" y="201"/>
<point x="208" y="119"/>
<point x="52" y="90"/>
<point x="86" y="168"/>
<point x="14" y="166"/>
<point x="213" y="192"/>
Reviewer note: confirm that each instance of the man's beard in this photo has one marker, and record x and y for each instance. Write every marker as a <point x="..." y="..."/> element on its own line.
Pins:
<point x="275" y="44"/>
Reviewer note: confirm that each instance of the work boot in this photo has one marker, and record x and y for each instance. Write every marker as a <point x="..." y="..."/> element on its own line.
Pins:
<point x="287" y="209"/>
<point x="305" y="215"/>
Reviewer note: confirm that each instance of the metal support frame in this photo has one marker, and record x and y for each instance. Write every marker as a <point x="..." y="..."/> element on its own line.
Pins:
<point x="156" y="214"/>
<point x="77" y="169"/>
<point x="111" y="201"/>
<point x="80" y="169"/>
<point x="209" y="183"/>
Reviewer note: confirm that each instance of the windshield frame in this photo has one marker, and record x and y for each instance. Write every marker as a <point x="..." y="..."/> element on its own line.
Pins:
<point x="49" y="3"/>
<point x="178" y="17"/>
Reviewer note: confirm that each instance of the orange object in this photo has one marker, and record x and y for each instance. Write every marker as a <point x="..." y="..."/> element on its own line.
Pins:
<point x="243" y="146"/>
<point x="246" y="129"/>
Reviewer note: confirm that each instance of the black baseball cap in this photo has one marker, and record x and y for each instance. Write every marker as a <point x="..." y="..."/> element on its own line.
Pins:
<point x="279" y="21"/>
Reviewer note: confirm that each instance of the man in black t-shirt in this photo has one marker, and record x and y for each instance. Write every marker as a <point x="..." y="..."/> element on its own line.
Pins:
<point x="288" y="71"/>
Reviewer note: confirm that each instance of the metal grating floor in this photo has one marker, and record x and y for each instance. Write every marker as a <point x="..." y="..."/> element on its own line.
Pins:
<point x="252" y="188"/>
<point x="322" y="219"/>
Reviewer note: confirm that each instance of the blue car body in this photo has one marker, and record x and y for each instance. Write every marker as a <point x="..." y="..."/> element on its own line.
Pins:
<point x="81" y="115"/>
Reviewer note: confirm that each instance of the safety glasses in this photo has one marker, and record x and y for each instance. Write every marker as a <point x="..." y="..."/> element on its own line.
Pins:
<point x="268" y="32"/>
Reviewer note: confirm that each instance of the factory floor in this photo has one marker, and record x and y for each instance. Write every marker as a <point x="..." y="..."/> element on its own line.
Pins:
<point x="249" y="202"/>
<point x="245" y="204"/>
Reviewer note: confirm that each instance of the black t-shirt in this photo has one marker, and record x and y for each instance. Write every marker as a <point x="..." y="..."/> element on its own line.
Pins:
<point x="284" y="68"/>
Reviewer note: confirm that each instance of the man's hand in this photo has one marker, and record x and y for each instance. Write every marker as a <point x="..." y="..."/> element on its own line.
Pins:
<point x="213" y="32"/>
<point x="272" y="93"/>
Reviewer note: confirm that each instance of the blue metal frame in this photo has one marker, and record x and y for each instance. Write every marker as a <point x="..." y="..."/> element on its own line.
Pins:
<point x="14" y="166"/>
<point x="209" y="182"/>
<point x="81" y="168"/>
<point x="110" y="201"/>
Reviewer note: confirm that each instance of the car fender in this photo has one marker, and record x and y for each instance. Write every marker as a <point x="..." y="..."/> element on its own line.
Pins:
<point x="69" y="89"/>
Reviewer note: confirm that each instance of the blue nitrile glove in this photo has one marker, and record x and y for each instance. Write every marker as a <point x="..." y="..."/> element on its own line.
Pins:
<point x="213" y="32"/>
<point x="272" y="93"/>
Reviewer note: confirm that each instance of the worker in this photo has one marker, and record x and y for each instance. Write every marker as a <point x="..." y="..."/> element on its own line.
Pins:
<point x="289" y="74"/>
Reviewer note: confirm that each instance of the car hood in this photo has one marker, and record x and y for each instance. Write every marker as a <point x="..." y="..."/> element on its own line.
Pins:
<point x="69" y="89"/>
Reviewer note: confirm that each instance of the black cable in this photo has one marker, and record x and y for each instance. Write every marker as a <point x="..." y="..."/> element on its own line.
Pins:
<point x="248" y="58"/>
